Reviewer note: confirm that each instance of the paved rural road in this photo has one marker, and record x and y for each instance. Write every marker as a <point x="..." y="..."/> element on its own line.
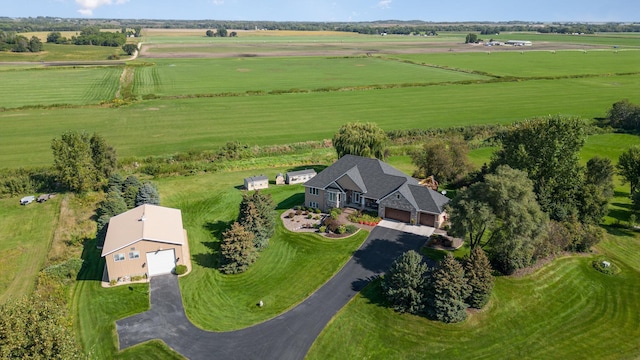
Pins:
<point x="288" y="336"/>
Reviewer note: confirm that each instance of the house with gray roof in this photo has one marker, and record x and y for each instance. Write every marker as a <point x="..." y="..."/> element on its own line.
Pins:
<point x="373" y="185"/>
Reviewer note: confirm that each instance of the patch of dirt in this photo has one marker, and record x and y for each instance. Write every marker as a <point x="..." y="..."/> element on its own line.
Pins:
<point x="243" y="70"/>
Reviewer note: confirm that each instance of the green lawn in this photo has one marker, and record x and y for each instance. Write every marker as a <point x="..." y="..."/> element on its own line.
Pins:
<point x="25" y="236"/>
<point x="565" y="310"/>
<point x="72" y="86"/>
<point x="207" y="76"/>
<point x="286" y="273"/>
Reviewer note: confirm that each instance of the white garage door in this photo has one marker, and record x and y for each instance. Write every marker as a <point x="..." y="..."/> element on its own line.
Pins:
<point x="161" y="262"/>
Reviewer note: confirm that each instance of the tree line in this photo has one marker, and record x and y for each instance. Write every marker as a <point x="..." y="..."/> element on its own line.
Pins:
<point x="11" y="41"/>
<point x="371" y="27"/>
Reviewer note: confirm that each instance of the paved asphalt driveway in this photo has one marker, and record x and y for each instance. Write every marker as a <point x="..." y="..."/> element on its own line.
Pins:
<point x="288" y="336"/>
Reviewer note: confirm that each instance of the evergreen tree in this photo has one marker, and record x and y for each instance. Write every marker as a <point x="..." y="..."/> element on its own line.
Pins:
<point x="478" y="274"/>
<point x="116" y="180"/>
<point x="112" y="205"/>
<point x="446" y="290"/>
<point x="130" y="190"/>
<point x="147" y="194"/>
<point x="257" y="215"/>
<point x="403" y="284"/>
<point x="237" y="251"/>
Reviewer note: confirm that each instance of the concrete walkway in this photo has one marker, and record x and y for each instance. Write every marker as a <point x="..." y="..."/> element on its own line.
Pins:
<point x="289" y="335"/>
<point x="408" y="228"/>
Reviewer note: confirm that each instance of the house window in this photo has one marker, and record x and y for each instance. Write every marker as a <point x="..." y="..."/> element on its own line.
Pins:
<point x="356" y="198"/>
<point x="398" y="196"/>
<point x="314" y="191"/>
<point x="313" y="204"/>
<point x="334" y="196"/>
<point x="118" y="257"/>
<point x="134" y="255"/>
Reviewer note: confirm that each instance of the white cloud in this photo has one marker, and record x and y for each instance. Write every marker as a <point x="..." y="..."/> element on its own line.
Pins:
<point x="218" y="2"/>
<point x="87" y="6"/>
<point x="384" y="4"/>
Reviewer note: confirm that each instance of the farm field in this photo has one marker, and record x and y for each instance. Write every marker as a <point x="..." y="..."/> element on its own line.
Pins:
<point x="207" y="76"/>
<point x="536" y="63"/>
<point x="63" y="53"/>
<point x="73" y="86"/>
<point x="203" y="95"/>
<point x="157" y="127"/>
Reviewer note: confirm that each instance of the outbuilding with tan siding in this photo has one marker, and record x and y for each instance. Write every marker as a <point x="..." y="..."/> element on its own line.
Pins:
<point x="145" y="241"/>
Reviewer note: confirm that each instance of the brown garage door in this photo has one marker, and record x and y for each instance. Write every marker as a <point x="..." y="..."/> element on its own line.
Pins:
<point x="397" y="214"/>
<point x="427" y="219"/>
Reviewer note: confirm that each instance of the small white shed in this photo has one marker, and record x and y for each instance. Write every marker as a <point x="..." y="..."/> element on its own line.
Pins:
<point x="256" y="182"/>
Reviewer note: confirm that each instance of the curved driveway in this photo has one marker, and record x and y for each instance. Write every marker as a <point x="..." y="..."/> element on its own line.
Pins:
<point x="287" y="336"/>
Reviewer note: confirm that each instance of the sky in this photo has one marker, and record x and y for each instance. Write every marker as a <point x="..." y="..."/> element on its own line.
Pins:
<point x="333" y="10"/>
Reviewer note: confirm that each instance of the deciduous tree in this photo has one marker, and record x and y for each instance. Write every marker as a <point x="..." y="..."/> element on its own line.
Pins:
<point x="547" y="149"/>
<point x="362" y="139"/>
<point x="129" y="49"/>
<point x="72" y="161"/>
<point x="35" y="328"/>
<point x="629" y="166"/>
<point x="403" y="284"/>
<point x="445" y="160"/>
<point x="501" y="214"/>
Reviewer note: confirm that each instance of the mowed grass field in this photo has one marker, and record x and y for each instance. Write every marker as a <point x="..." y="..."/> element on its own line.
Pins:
<point x="25" y="236"/>
<point x="207" y="76"/>
<point x="55" y="52"/>
<point x="536" y="63"/>
<point x="68" y="85"/>
<point x="157" y="127"/>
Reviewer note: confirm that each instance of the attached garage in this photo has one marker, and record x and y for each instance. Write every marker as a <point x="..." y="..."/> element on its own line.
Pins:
<point x="161" y="262"/>
<point x="397" y="214"/>
<point x="427" y="219"/>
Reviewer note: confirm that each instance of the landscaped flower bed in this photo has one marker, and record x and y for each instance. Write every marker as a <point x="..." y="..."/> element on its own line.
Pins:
<point x="364" y="219"/>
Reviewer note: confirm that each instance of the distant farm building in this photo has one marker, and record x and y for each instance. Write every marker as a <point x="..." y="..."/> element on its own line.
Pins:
<point x="300" y="177"/>
<point x="256" y="182"/>
<point x="280" y="179"/>
<point x="519" y="43"/>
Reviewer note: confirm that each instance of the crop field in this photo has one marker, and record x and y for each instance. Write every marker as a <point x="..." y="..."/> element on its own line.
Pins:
<point x="206" y="76"/>
<point x="74" y="86"/>
<point x="536" y="63"/>
<point x="156" y="127"/>
<point x="63" y="53"/>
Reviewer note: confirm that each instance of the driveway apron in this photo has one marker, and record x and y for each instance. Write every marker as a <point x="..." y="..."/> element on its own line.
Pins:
<point x="287" y="336"/>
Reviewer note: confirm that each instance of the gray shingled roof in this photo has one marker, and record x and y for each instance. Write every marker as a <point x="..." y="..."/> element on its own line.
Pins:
<point x="257" y="178"/>
<point x="379" y="179"/>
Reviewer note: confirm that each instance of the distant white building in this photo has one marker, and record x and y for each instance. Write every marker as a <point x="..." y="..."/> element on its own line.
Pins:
<point x="519" y="43"/>
<point x="256" y="182"/>
<point x="299" y="177"/>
